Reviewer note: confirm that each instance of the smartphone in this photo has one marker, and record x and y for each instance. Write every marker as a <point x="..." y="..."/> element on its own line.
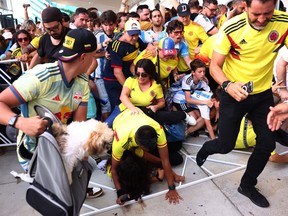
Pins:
<point x="248" y="87"/>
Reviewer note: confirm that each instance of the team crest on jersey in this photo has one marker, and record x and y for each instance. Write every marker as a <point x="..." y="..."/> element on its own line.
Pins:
<point x="190" y="33"/>
<point x="77" y="97"/>
<point x="169" y="68"/>
<point x="152" y="93"/>
<point x="273" y="36"/>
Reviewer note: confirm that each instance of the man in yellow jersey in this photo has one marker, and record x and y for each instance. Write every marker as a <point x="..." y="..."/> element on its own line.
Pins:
<point x="245" y="51"/>
<point x="238" y="7"/>
<point x="141" y="135"/>
<point x="194" y="33"/>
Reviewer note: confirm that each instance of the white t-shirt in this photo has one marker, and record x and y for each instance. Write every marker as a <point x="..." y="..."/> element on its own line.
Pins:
<point x="205" y="22"/>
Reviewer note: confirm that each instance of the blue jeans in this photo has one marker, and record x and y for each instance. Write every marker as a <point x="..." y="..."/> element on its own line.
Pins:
<point x="231" y="113"/>
<point x="113" y="89"/>
<point x="112" y="116"/>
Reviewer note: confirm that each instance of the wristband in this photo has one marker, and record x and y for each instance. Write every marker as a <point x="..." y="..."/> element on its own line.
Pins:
<point x="120" y="192"/>
<point x="226" y="89"/>
<point x="171" y="187"/>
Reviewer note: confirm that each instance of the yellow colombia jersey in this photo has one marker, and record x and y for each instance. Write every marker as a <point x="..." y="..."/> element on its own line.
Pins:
<point x="35" y="41"/>
<point x="140" y="98"/>
<point x="246" y="137"/>
<point x="165" y="66"/>
<point x="251" y="53"/>
<point x="193" y="33"/>
<point x="206" y="49"/>
<point x="125" y="126"/>
<point x="221" y="20"/>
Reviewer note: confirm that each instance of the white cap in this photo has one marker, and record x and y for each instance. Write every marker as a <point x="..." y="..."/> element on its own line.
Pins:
<point x="7" y="35"/>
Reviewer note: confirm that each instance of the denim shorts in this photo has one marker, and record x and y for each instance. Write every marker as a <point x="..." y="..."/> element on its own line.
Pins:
<point x="105" y="108"/>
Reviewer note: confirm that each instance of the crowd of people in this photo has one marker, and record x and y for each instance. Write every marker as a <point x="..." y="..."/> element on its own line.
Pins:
<point x="145" y="70"/>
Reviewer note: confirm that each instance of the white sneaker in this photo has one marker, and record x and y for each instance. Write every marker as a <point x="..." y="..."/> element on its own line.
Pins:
<point x="94" y="192"/>
<point x="190" y="120"/>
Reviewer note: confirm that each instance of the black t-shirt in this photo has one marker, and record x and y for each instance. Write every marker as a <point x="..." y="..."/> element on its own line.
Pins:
<point x="193" y="16"/>
<point x="122" y="55"/>
<point x="47" y="49"/>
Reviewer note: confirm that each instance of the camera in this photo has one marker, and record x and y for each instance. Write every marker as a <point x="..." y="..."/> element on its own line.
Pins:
<point x="248" y="87"/>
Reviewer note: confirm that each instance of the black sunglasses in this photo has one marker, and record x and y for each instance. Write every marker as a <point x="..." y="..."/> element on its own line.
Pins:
<point x="143" y="75"/>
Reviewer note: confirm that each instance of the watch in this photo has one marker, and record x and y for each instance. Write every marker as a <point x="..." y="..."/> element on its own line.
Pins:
<point x="12" y="121"/>
<point x="225" y="84"/>
<point x="172" y="187"/>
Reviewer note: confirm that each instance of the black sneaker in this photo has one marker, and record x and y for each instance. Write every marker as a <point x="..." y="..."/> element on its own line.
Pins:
<point x="254" y="195"/>
<point x="201" y="157"/>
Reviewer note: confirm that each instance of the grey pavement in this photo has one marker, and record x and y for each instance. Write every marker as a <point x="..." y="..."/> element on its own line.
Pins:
<point x="211" y="190"/>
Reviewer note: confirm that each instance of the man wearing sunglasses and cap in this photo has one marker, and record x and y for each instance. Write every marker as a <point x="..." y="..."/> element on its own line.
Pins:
<point x="141" y="135"/>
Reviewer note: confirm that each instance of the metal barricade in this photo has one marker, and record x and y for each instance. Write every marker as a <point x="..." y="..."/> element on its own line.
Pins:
<point x="7" y="78"/>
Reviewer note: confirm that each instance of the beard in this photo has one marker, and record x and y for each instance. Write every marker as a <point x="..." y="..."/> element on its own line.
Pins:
<point x="258" y="28"/>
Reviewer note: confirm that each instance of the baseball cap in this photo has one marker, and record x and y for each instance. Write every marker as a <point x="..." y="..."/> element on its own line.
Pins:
<point x="183" y="10"/>
<point x="7" y="35"/>
<point x="132" y="27"/>
<point x="147" y="137"/>
<point x="167" y="46"/>
<point x="77" y="41"/>
<point x="51" y="14"/>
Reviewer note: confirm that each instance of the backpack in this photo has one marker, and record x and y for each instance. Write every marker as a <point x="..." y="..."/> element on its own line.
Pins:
<point x="50" y="192"/>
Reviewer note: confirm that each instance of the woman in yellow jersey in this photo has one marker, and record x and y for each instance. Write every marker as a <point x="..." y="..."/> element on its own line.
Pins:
<point x="143" y="93"/>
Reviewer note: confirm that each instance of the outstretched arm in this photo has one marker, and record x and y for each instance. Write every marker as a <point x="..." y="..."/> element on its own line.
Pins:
<point x="172" y="195"/>
<point x="277" y="115"/>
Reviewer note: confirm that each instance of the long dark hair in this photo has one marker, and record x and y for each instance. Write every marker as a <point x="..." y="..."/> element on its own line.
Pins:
<point x="22" y="31"/>
<point x="149" y="68"/>
<point x="133" y="175"/>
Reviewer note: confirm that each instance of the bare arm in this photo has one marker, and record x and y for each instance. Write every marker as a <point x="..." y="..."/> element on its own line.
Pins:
<point x="32" y="126"/>
<point x="160" y="104"/>
<point x="114" y="166"/>
<point x="172" y="195"/>
<point x="35" y="60"/>
<point x="92" y="67"/>
<point x="119" y="75"/>
<point x="277" y="115"/>
<point x="190" y="100"/>
<point x="234" y="89"/>
<point x="152" y="158"/>
<point x="80" y="114"/>
<point x="124" y="97"/>
<point x="124" y="7"/>
<point x="213" y="31"/>
<point x="209" y="128"/>
<point x="175" y="4"/>
<point x="26" y="17"/>
<point x="281" y="76"/>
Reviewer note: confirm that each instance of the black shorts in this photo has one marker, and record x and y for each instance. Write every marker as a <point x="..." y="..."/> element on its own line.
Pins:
<point x="185" y="107"/>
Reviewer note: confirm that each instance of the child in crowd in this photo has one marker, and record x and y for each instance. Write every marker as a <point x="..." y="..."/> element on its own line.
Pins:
<point x="195" y="97"/>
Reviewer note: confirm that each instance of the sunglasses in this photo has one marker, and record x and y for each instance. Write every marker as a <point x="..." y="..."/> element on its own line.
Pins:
<point x="25" y="39"/>
<point x="54" y="28"/>
<point x="143" y="75"/>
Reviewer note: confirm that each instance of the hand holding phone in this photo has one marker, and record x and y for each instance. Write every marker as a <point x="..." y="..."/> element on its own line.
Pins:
<point x="248" y="87"/>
